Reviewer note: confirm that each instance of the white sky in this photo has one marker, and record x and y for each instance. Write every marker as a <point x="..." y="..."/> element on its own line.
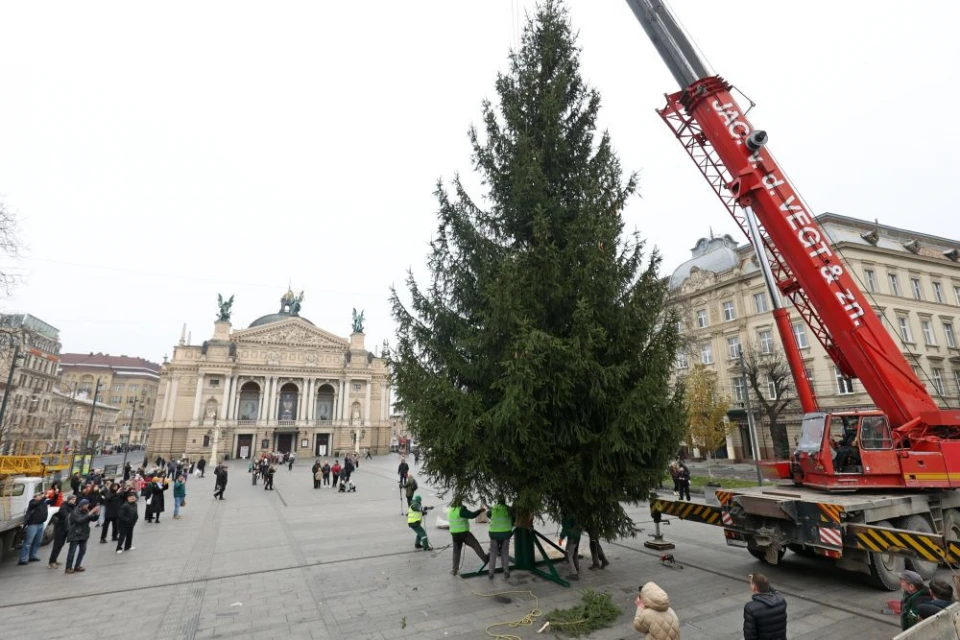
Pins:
<point x="160" y="154"/>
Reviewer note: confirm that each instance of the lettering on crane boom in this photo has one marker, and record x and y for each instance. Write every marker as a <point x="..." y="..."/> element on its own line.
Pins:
<point x="688" y="511"/>
<point x="926" y="546"/>
<point x="796" y="214"/>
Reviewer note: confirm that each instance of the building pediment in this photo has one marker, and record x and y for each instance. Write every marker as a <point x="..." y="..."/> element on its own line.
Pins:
<point x="292" y="332"/>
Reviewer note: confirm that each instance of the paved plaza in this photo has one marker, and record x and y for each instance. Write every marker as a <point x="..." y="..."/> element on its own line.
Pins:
<point x="303" y="563"/>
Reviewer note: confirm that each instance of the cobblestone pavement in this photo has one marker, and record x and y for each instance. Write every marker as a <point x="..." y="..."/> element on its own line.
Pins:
<point x="303" y="563"/>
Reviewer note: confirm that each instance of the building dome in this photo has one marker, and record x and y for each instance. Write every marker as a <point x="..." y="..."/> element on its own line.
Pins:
<point x="275" y="317"/>
<point x="711" y="254"/>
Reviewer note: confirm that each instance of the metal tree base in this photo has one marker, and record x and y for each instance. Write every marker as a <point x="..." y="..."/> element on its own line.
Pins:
<point x="525" y="544"/>
<point x="658" y="543"/>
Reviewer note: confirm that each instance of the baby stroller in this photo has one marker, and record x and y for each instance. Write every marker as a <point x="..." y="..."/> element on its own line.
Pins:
<point x="347" y="487"/>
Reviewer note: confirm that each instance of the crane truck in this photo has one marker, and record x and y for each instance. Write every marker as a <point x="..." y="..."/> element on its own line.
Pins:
<point x="894" y="501"/>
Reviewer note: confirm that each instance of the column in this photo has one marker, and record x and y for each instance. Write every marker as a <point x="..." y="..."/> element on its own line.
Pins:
<point x="300" y="395"/>
<point x="225" y="402"/>
<point x="261" y="408"/>
<point x="383" y="401"/>
<point x="198" y="398"/>
<point x="344" y="392"/>
<point x="231" y="410"/>
<point x="311" y="394"/>
<point x="166" y="400"/>
<point x="172" y="410"/>
<point x="366" y="410"/>
<point x="274" y="401"/>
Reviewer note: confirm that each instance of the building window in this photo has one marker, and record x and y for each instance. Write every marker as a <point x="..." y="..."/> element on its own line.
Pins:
<point x="206" y="441"/>
<point x="679" y="326"/>
<point x="905" y="333"/>
<point x="766" y="341"/>
<point x="681" y="360"/>
<point x="733" y="347"/>
<point x="728" y="312"/>
<point x="356" y="387"/>
<point x="938" y="292"/>
<point x="771" y="388"/>
<point x="956" y="295"/>
<point x="215" y="382"/>
<point x="915" y="286"/>
<point x="760" y="302"/>
<point x="894" y="284"/>
<point x="928" y="337"/>
<point x="948" y="332"/>
<point x="844" y="384"/>
<point x="937" y="380"/>
<point x="871" y="277"/>
<point x="956" y="379"/>
<point x="809" y="374"/>
<point x="706" y="353"/>
<point x="118" y="387"/>
<point x="115" y="399"/>
<point x="701" y="318"/>
<point x="739" y="391"/>
<point x="800" y="335"/>
<point x="133" y="388"/>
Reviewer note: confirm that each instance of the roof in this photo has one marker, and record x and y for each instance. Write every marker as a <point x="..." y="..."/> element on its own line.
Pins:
<point x="275" y="317"/>
<point x="119" y="365"/>
<point x="711" y="254"/>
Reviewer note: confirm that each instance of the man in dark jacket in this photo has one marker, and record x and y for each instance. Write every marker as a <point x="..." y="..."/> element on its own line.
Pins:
<point x="78" y="533"/>
<point x="942" y="594"/>
<point x="914" y="595"/>
<point x="33" y="522"/>
<point x="60" y="526"/>
<point x="403" y="470"/>
<point x="202" y="464"/>
<point x="268" y="479"/>
<point x="127" y="517"/>
<point x="112" y="499"/>
<point x="765" y="616"/>
<point x="221" y="482"/>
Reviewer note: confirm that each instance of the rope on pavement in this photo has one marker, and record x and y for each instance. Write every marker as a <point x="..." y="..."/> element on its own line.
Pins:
<point x="525" y="621"/>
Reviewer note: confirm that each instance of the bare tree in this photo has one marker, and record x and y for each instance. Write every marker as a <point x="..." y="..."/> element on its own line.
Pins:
<point x="770" y="379"/>
<point x="10" y="246"/>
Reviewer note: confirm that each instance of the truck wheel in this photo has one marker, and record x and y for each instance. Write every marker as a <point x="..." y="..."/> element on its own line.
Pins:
<point x="925" y="568"/>
<point x="761" y="555"/>
<point x="951" y="529"/>
<point x="885" y="568"/>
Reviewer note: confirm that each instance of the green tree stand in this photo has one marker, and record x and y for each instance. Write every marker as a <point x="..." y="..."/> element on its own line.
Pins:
<point x="526" y="543"/>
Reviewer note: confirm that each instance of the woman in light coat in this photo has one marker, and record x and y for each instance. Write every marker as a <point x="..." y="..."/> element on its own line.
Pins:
<point x="654" y="616"/>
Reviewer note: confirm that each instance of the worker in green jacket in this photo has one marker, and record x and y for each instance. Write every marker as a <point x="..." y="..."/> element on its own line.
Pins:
<point x="415" y="521"/>
<point x="570" y="530"/>
<point x="500" y="530"/>
<point x="459" y="518"/>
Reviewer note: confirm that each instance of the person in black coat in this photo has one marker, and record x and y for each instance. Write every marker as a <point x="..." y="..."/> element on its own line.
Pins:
<point x="60" y="527"/>
<point x="201" y="465"/>
<point x="157" y="487"/>
<point x="127" y="517"/>
<point x="765" y="616"/>
<point x="112" y="499"/>
<point x="221" y="483"/>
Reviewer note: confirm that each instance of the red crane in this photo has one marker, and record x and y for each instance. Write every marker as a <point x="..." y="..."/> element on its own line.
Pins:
<point x="910" y="441"/>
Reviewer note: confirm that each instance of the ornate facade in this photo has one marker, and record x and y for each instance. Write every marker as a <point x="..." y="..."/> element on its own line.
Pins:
<point x="282" y="384"/>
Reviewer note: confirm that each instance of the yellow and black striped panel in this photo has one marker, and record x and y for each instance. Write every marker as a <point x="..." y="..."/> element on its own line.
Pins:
<point x="829" y="512"/>
<point x="724" y="497"/>
<point x="688" y="511"/>
<point x="921" y="545"/>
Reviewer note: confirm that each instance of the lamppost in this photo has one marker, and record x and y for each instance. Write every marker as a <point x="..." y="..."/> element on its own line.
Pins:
<point x="88" y="446"/>
<point x="133" y="416"/>
<point x="17" y="357"/>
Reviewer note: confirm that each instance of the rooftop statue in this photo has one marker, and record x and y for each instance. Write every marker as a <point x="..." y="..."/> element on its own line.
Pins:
<point x="225" y="307"/>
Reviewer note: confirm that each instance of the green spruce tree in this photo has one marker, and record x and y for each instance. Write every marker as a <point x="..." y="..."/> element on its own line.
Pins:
<point x="536" y="362"/>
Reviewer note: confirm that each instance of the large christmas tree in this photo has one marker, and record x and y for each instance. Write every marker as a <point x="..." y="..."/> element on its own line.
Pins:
<point x="536" y="362"/>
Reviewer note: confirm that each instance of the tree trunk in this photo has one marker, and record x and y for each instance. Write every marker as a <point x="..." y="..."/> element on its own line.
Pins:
<point x="524" y="550"/>
<point x="781" y="441"/>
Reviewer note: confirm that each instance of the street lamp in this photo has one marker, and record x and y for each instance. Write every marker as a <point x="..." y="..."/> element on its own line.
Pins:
<point x="126" y="449"/>
<point x="88" y="447"/>
<point x="17" y="357"/>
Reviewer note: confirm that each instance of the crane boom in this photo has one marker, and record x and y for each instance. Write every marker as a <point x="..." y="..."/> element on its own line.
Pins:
<point x="731" y="154"/>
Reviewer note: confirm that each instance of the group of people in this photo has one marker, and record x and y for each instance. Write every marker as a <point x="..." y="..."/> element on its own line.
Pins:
<point x="323" y="471"/>
<point x="922" y="601"/>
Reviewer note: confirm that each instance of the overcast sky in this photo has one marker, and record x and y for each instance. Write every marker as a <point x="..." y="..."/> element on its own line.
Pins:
<point x="158" y="155"/>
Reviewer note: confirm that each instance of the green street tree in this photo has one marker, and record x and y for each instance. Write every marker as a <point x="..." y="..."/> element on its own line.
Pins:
<point x="706" y="409"/>
<point x="536" y="362"/>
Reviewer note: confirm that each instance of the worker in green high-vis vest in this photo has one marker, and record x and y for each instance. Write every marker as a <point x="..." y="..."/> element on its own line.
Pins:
<point x="459" y="518"/>
<point x="500" y="530"/>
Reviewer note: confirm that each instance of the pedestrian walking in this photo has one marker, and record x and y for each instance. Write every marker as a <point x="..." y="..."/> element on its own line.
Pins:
<point x="500" y="530"/>
<point x="179" y="496"/>
<point x="410" y="488"/>
<point x="597" y="556"/>
<point x="765" y="616"/>
<point x="415" y="521"/>
<point x="416" y="457"/>
<point x="459" y="518"/>
<point x="127" y="517"/>
<point x="683" y="481"/>
<point x="78" y="534"/>
<point x="347" y="470"/>
<point x="221" y="483"/>
<point x="654" y="618"/>
<point x="60" y="527"/>
<point x="293" y="458"/>
<point x="268" y="480"/>
<point x="33" y="522"/>
<point x="201" y="465"/>
<point x="403" y="470"/>
<point x="156" y="501"/>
